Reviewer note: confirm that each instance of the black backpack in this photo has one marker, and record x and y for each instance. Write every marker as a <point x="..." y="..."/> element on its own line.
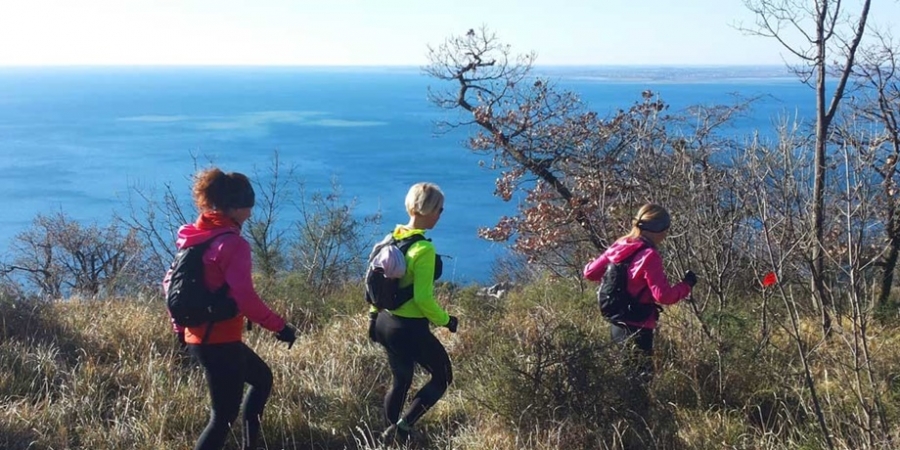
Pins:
<point x="616" y="304"/>
<point x="190" y="303"/>
<point x="385" y="293"/>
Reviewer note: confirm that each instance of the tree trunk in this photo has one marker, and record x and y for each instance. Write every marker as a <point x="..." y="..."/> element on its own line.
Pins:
<point x="818" y="219"/>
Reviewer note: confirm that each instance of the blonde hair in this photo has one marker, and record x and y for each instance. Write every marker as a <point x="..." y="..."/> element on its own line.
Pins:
<point x="650" y="217"/>
<point x="424" y="199"/>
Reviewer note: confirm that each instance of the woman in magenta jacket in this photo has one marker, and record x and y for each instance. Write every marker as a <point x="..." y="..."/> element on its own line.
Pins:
<point x="225" y="201"/>
<point x="647" y="281"/>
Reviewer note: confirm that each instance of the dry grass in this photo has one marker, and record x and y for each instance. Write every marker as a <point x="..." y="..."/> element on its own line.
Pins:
<point x="108" y="375"/>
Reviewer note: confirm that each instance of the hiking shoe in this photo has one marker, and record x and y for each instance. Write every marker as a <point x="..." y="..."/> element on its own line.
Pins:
<point x="395" y="434"/>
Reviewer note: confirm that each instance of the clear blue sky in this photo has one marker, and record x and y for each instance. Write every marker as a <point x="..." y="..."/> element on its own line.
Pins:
<point x="380" y="32"/>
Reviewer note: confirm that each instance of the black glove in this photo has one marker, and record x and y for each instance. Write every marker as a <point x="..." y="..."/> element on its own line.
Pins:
<point x="287" y="334"/>
<point x="690" y="278"/>
<point x="373" y="316"/>
<point x="452" y="324"/>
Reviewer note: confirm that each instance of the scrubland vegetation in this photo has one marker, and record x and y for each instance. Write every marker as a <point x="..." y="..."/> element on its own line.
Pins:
<point x="534" y="369"/>
<point x="810" y="361"/>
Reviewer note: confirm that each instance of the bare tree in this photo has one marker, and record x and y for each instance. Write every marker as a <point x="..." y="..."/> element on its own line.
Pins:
<point x="268" y="240"/>
<point x="876" y="111"/>
<point x="813" y="34"/>
<point x="527" y="127"/>
<point x="58" y="256"/>
<point x="331" y="242"/>
<point x="576" y="176"/>
<point x="856" y="254"/>
<point x="155" y="219"/>
<point x="776" y="200"/>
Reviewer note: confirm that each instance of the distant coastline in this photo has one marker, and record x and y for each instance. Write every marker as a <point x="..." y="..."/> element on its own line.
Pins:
<point x="596" y="73"/>
<point x="681" y="74"/>
<point x="612" y="73"/>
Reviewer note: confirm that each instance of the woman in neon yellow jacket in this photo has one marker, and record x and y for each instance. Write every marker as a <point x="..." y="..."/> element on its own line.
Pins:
<point x="404" y="332"/>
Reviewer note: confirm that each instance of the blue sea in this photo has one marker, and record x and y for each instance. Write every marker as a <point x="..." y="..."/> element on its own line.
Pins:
<point x="78" y="140"/>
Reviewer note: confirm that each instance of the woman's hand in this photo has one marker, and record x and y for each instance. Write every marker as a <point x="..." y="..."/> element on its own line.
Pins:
<point x="452" y="324"/>
<point x="690" y="278"/>
<point x="287" y="334"/>
<point x="373" y="317"/>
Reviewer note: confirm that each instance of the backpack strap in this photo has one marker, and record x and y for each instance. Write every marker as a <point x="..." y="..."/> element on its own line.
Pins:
<point x="627" y="262"/>
<point x="407" y="293"/>
<point x="222" y="290"/>
<point x="407" y="242"/>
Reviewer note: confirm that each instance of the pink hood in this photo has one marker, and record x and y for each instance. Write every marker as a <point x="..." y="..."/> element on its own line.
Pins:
<point x="647" y="279"/>
<point x="189" y="235"/>
<point x="228" y="260"/>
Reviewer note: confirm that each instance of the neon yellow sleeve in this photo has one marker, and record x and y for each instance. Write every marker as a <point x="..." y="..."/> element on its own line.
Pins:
<point x="421" y="255"/>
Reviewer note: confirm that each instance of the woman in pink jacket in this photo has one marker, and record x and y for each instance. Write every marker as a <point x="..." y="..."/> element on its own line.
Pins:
<point x="225" y="202"/>
<point x="646" y="281"/>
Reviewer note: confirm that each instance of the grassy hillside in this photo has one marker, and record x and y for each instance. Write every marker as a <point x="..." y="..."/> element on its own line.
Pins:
<point x="534" y="369"/>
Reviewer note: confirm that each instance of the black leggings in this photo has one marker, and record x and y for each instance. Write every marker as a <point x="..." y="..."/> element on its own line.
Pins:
<point x="409" y="341"/>
<point x="639" y="348"/>
<point x="228" y="367"/>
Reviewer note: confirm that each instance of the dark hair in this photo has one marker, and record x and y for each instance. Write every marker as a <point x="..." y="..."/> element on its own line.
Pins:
<point x="217" y="190"/>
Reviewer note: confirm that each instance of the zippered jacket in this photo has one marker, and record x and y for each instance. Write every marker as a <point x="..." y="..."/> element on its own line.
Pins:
<point x="647" y="281"/>
<point x="420" y="269"/>
<point x="227" y="261"/>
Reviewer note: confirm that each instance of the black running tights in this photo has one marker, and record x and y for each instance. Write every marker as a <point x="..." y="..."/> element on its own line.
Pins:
<point x="228" y="366"/>
<point x="409" y="341"/>
<point x="638" y="347"/>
